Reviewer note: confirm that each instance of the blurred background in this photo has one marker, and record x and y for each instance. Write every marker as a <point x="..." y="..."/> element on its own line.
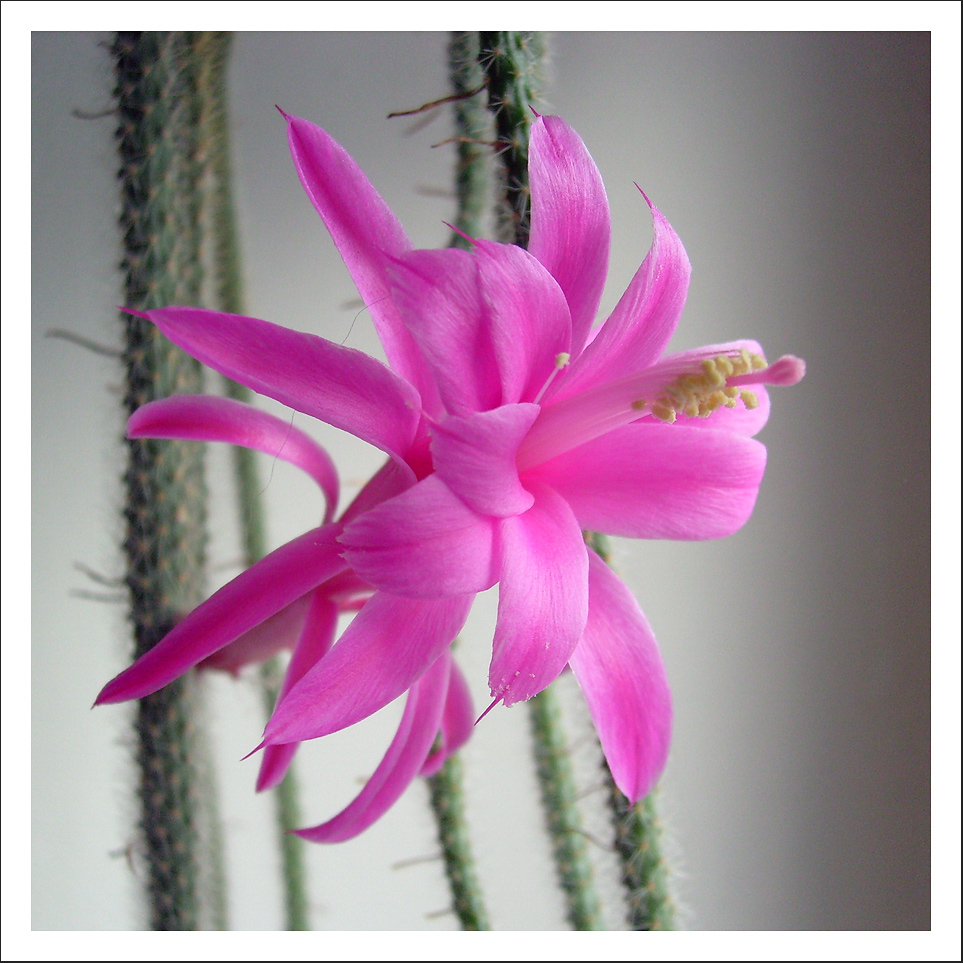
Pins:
<point x="795" y="168"/>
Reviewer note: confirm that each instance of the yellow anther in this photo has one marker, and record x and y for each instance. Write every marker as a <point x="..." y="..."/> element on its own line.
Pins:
<point x="712" y="373"/>
<point x="714" y="402"/>
<point x="699" y="393"/>
<point x="664" y="413"/>
<point x="562" y="359"/>
<point x="724" y="364"/>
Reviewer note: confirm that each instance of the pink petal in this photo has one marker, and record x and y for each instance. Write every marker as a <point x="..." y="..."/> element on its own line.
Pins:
<point x="638" y="330"/>
<point x="475" y="457"/>
<point x="341" y="386"/>
<point x="741" y="420"/>
<point x="457" y="722"/>
<point x="209" y="418"/>
<point x="570" y="219"/>
<point x="275" y="763"/>
<point x="405" y="756"/>
<point x="273" y="635"/>
<point x="618" y="666"/>
<point x="255" y="595"/>
<point x="391" y="479"/>
<point x="316" y="638"/>
<point x="391" y="643"/>
<point x="440" y="300"/>
<point x="660" y="481"/>
<point x="367" y="235"/>
<point x="531" y="326"/>
<point x="542" y="600"/>
<point x="424" y="543"/>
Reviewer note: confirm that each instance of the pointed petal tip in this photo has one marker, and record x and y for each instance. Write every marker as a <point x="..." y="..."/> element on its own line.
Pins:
<point x="648" y="200"/>
<point x="115" y="691"/>
<point x="495" y="701"/>
<point x="451" y="227"/>
<point x="261" y="745"/>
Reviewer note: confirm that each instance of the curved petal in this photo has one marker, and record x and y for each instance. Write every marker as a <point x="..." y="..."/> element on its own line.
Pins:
<point x="341" y="386"/>
<point x="267" y="639"/>
<point x="366" y="233"/>
<point x="439" y="298"/>
<point x="475" y="457"/>
<point x="389" y="645"/>
<point x="457" y="722"/>
<point x="570" y="219"/>
<point x="542" y="597"/>
<point x="638" y="330"/>
<point x="210" y="418"/>
<point x="255" y="595"/>
<point x="424" y="543"/>
<point x="740" y="420"/>
<point x="531" y="325"/>
<point x="391" y="479"/>
<point x="660" y="481"/>
<point x="275" y="763"/>
<point x="316" y="638"/>
<point x="405" y="756"/>
<point x="618" y="665"/>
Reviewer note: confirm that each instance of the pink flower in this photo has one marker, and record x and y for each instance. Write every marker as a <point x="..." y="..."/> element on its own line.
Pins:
<point x="511" y="425"/>
<point x="263" y="612"/>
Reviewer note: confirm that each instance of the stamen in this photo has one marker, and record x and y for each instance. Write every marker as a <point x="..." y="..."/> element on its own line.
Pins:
<point x="561" y="360"/>
<point x="698" y="395"/>
<point x="694" y="386"/>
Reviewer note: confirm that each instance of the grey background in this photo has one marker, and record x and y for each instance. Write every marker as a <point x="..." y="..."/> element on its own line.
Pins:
<point x="795" y="167"/>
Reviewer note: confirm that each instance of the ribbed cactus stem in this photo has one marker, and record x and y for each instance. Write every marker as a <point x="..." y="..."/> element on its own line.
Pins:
<point x="513" y="62"/>
<point x="448" y="804"/>
<point x="472" y="126"/>
<point x="556" y="780"/>
<point x="645" y="872"/>
<point x="165" y="514"/>
<point x="228" y="295"/>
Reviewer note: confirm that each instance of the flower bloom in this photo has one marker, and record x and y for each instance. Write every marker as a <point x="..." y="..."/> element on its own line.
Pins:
<point x="261" y="613"/>
<point x="512" y="425"/>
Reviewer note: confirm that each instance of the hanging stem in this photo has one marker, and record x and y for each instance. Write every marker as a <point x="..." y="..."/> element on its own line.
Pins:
<point x="446" y="787"/>
<point x="448" y="804"/>
<point x="556" y="780"/>
<point x="512" y="64"/>
<point x="165" y="514"/>
<point x="472" y="124"/>
<point x="638" y="836"/>
<point x="645" y="873"/>
<point x="214" y="50"/>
